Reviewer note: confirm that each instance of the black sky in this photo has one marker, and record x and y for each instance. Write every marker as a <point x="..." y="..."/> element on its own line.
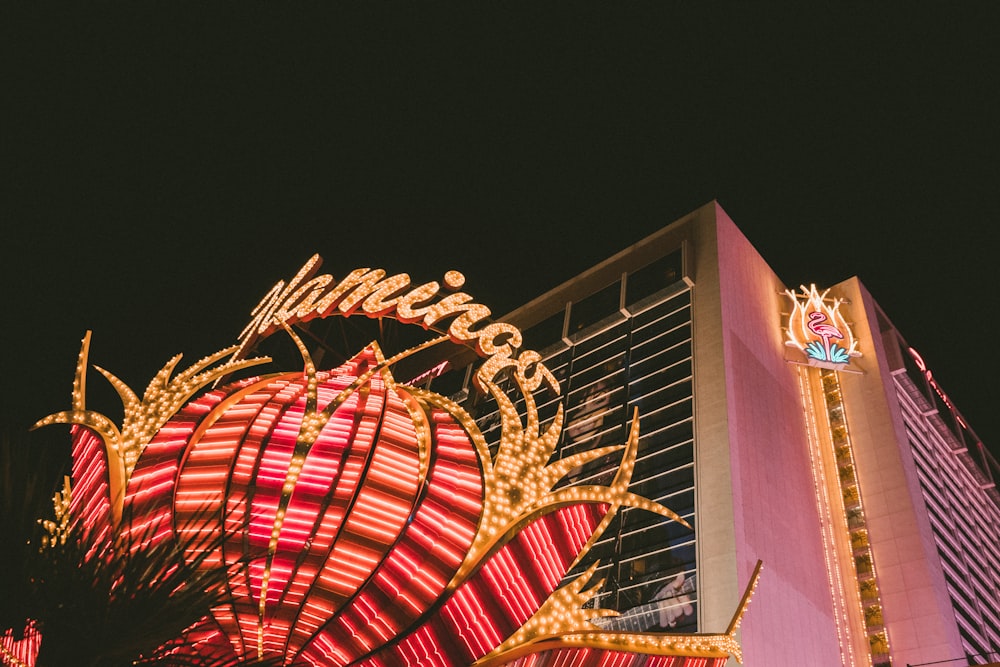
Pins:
<point x="163" y="165"/>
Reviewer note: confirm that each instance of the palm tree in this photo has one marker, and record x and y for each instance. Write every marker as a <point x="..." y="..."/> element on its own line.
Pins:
<point x="28" y="478"/>
<point x="96" y="604"/>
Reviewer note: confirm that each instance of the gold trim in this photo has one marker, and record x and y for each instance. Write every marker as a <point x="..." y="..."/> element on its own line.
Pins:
<point x="142" y="419"/>
<point x="561" y="623"/>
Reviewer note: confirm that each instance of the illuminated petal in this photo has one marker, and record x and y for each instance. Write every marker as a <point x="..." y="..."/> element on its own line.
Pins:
<point x="507" y="590"/>
<point x="91" y="496"/>
<point x="414" y="574"/>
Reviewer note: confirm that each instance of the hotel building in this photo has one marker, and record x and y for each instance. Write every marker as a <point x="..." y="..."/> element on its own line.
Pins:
<point x="366" y="524"/>
<point x="837" y="460"/>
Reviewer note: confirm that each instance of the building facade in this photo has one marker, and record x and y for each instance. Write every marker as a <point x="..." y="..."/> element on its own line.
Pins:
<point x="366" y="519"/>
<point x="837" y="461"/>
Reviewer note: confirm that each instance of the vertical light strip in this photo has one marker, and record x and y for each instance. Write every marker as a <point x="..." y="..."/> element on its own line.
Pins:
<point x="838" y="592"/>
<point x="864" y="563"/>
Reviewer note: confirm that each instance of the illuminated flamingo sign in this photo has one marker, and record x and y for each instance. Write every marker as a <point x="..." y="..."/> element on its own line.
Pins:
<point x="366" y="521"/>
<point x="817" y="328"/>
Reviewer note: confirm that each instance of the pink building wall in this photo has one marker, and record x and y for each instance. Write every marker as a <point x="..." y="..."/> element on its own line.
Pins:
<point x="915" y="601"/>
<point x="773" y="501"/>
<point x="772" y="496"/>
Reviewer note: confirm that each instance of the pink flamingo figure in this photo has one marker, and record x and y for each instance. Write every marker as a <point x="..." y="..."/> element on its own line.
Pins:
<point x="818" y="325"/>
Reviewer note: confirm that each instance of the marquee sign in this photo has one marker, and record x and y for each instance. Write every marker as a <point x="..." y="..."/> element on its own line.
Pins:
<point x="367" y="522"/>
<point x="817" y="328"/>
<point x="932" y="383"/>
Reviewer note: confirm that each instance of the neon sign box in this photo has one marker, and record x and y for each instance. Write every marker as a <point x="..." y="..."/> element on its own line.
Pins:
<point x="366" y="521"/>
<point x="818" y="328"/>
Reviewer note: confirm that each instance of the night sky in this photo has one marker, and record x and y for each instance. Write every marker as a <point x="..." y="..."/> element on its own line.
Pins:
<point x="162" y="165"/>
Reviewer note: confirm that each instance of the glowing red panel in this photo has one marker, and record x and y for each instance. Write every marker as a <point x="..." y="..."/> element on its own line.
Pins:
<point x="149" y="494"/>
<point x="343" y="433"/>
<point x="430" y="549"/>
<point x="22" y="651"/>
<point x="382" y="506"/>
<point x="502" y="595"/>
<point x="90" y="496"/>
<point x="211" y="452"/>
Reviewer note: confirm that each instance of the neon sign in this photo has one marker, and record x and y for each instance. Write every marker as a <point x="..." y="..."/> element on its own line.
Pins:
<point x="817" y="328"/>
<point x="369" y="291"/>
<point x="935" y="386"/>
<point x="370" y="523"/>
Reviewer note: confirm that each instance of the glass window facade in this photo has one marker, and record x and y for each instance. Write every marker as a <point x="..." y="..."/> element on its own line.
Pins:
<point x="620" y="355"/>
<point x="964" y="518"/>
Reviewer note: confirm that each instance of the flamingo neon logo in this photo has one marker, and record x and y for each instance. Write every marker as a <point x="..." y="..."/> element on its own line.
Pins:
<point x="817" y="328"/>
